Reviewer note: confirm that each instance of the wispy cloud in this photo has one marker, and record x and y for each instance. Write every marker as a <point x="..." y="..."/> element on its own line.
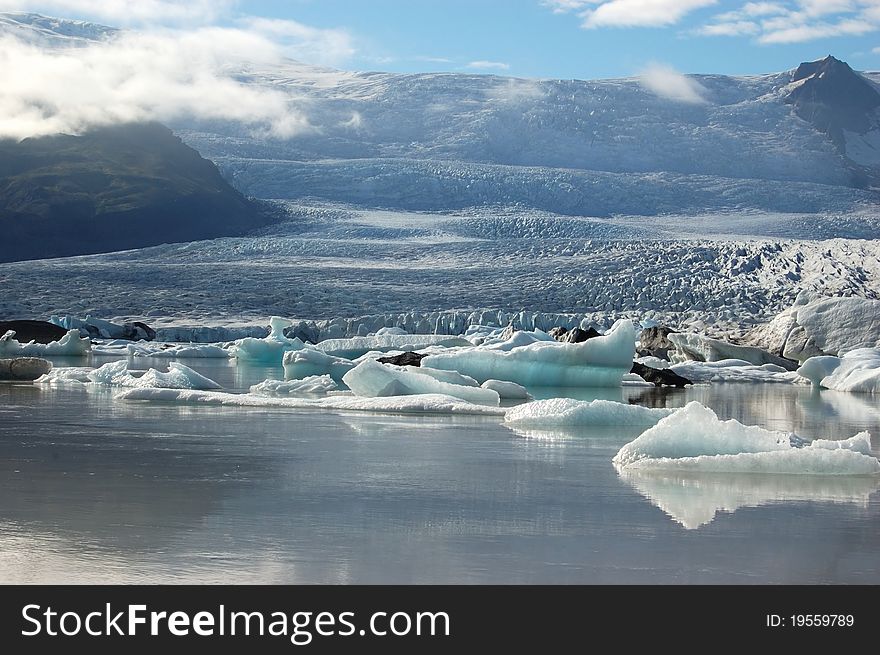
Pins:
<point x="628" y="13"/>
<point x="666" y="82"/>
<point x="795" y="21"/>
<point x="483" y="64"/>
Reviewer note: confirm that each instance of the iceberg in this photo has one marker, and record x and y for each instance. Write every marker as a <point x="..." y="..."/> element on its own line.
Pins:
<point x="694" y="439"/>
<point x="598" y="362"/>
<point x="735" y="370"/>
<point x="567" y="412"/>
<point x="116" y="374"/>
<point x="66" y="376"/>
<point x="695" y="347"/>
<point x="374" y="380"/>
<point x="70" y="345"/>
<point x="358" y="346"/>
<point x="417" y="404"/>
<point x="694" y="499"/>
<point x="507" y="390"/>
<point x="307" y="362"/>
<point x="24" y="368"/>
<point x="311" y="384"/>
<point x="269" y="350"/>
<point x="857" y="371"/>
<point x="182" y="351"/>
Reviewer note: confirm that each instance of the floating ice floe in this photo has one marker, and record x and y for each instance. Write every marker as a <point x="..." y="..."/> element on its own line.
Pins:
<point x="25" y="369"/>
<point x="598" y="362"/>
<point x="70" y="345"/>
<point x="311" y="384"/>
<point x="567" y="412"/>
<point x="181" y="351"/>
<point x="507" y="390"/>
<point x="357" y="346"/>
<point x="116" y="374"/>
<point x="418" y="404"/>
<point x="518" y="339"/>
<point x="66" y="376"/>
<point x="269" y="350"/>
<point x="694" y="439"/>
<point x="693" y="499"/>
<point x="857" y="371"/>
<point x="374" y="380"/>
<point x="307" y="362"/>
<point x="735" y="370"/>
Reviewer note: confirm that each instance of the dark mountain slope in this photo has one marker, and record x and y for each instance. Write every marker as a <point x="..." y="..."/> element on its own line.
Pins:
<point x="114" y="188"/>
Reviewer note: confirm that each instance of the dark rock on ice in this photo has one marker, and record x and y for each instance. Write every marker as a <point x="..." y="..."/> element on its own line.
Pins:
<point x="660" y="377"/>
<point x="578" y="335"/>
<point x="39" y="331"/>
<point x="403" y="359"/>
<point x="654" y="342"/>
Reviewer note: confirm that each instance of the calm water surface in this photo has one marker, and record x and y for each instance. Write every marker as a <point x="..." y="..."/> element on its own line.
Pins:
<point x="94" y="490"/>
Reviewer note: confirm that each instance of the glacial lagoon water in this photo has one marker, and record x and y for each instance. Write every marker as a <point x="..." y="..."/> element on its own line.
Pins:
<point x="94" y="490"/>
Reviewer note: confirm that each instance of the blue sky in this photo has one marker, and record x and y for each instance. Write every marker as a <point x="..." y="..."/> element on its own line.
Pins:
<point x="528" y="38"/>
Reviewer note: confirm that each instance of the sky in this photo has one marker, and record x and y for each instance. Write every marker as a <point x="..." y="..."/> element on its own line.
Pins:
<point x="581" y="39"/>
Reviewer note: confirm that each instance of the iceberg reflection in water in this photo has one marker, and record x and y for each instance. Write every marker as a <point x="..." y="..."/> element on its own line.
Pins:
<point x="693" y="500"/>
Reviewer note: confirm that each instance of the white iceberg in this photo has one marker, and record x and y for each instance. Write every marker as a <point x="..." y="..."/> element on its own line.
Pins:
<point x="598" y="362"/>
<point x="374" y="380"/>
<point x="181" y="351"/>
<point x="857" y="371"/>
<point x="694" y="439"/>
<point x="418" y="404"/>
<point x="270" y="350"/>
<point x="116" y="374"/>
<point x="735" y="370"/>
<point x="70" y="345"/>
<point x="694" y="499"/>
<point x="696" y="347"/>
<point x="66" y="376"/>
<point x="311" y="384"/>
<point x="357" y="346"/>
<point x="507" y="390"/>
<point x="567" y="412"/>
<point x="307" y="362"/>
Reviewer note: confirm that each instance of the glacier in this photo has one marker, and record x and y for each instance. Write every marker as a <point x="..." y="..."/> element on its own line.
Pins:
<point x="598" y="362"/>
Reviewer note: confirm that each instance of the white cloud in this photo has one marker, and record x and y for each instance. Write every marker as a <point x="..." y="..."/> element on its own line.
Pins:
<point x="138" y="77"/>
<point x="312" y="44"/>
<point x="126" y="12"/>
<point x="666" y="82"/>
<point x="489" y="65"/>
<point x="640" y="13"/>
<point x="730" y="28"/>
<point x="811" y="32"/>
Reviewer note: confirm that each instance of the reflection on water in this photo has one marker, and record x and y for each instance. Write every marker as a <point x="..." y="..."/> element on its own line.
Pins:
<point x="95" y="490"/>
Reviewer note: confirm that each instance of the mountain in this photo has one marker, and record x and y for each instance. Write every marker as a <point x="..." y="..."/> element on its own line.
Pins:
<point x="113" y="188"/>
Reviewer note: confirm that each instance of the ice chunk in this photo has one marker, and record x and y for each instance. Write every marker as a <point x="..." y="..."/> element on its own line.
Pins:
<point x="375" y="380"/>
<point x="735" y="370"/>
<point x="857" y="371"/>
<point x="183" y="351"/>
<point x="418" y="404"/>
<point x="66" y="376"/>
<point x="450" y="377"/>
<point x="507" y="390"/>
<point x="566" y="412"/>
<point x="518" y="340"/>
<point x="178" y="377"/>
<point x="70" y="345"/>
<point x="598" y="362"/>
<point x="694" y="439"/>
<point x="307" y="362"/>
<point x="390" y="330"/>
<point x="693" y="499"/>
<point x="311" y="384"/>
<point x="24" y="368"/>
<point x="696" y="347"/>
<point x="358" y="346"/>
<point x="270" y="350"/>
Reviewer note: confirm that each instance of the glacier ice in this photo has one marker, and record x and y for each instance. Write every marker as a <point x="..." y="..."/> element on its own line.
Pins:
<point x="358" y="346"/>
<point x="24" y="368"/>
<point x="307" y="362"/>
<point x="567" y="412"/>
<point x="374" y="380"/>
<point x="180" y="351"/>
<point x="179" y="376"/>
<point x="507" y="390"/>
<point x="313" y="384"/>
<point x="70" y="345"/>
<point x="696" y="347"/>
<point x="857" y="371"/>
<point x="63" y="376"/>
<point x="598" y="362"/>
<point x="694" y="439"/>
<point x="270" y="350"/>
<point x="735" y="370"/>
<point x="416" y="404"/>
